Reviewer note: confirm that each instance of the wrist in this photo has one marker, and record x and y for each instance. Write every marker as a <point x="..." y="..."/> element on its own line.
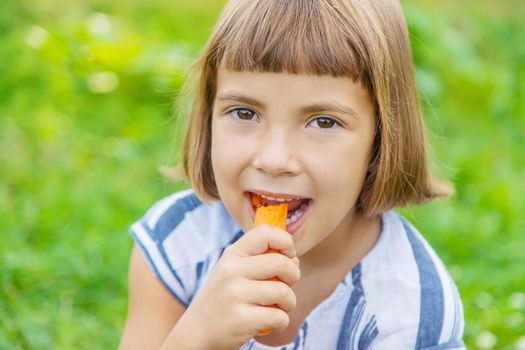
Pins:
<point x="182" y="337"/>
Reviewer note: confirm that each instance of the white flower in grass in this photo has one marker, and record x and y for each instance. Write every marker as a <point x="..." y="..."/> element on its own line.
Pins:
<point x="102" y="82"/>
<point x="520" y="344"/>
<point x="99" y="24"/>
<point x="517" y="300"/>
<point x="486" y="340"/>
<point x="36" y="37"/>
<point x="514" y="320"/>
<point x="484" y="300"/>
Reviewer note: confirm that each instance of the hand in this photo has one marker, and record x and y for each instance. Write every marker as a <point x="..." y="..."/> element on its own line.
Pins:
<point x="235" y="303"/>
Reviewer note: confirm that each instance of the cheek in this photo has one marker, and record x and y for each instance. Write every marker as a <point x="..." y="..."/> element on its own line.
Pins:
<point x="226" y="139"/>
<point x="228" y="153"/>
<point x="341" y="170"/>
<point x="219" y="153"/>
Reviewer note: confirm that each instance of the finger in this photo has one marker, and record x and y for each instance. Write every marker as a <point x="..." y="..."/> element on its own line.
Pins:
<point x="266" y="266"/>
<point x="271" y="293"/>
<point x="259" y="240"/>
<point x="264" y="318"/>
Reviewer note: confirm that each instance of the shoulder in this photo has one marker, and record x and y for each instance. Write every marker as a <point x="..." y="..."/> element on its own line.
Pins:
<point x="182" y="215"/>
<point x="181" y="219"/>
<point x="414" y="296"/>
<point x="181" y="238"/>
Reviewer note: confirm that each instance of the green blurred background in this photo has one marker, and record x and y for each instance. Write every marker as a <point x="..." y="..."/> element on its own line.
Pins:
<point x="88" y="142"/>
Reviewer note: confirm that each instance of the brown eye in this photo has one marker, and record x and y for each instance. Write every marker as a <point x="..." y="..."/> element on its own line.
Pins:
<point x="244" y="114"/>
<point x="324" y="123"/>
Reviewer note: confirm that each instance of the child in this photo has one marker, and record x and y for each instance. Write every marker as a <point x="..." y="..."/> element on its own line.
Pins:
<point x="313" y="103"/>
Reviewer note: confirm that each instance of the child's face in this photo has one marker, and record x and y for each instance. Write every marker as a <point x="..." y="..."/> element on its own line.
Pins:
<point x="285" y="134"/>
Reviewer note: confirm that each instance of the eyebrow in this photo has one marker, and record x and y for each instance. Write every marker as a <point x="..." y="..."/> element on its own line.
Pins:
<point x="313" y="108"/>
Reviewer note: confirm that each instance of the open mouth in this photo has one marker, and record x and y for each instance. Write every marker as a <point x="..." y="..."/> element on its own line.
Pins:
<point x="298" y="207"/>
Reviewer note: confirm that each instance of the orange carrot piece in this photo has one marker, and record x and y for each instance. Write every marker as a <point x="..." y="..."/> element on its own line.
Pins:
<point x="274" y="215"/>
<point x="257" y="201"/>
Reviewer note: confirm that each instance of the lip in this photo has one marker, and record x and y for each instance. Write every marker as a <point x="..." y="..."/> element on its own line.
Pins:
<point x="290" y="229"/>
<point x="275" y="195"/>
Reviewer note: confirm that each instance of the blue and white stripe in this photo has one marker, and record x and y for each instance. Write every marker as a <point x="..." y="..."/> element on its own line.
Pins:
<point x="441" y="310"/>
<point x="400" y="296"/>
<point x="359" y="328"/>
<point x="431" y="295"/>
<point x="182" y="239"/>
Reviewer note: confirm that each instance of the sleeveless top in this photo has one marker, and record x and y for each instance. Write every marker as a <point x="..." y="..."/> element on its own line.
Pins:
<point x="400" y="296"/>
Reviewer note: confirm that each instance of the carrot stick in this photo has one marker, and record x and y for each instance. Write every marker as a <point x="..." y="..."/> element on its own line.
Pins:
<point x="274" y="215"/>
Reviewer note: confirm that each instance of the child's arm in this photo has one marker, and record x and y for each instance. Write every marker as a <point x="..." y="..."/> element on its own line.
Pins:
<point x="152" y="310"/>
<point x="235" y="302"/>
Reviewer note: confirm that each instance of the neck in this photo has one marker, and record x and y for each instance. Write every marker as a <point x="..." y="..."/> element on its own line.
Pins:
<point x="355" y="236"/>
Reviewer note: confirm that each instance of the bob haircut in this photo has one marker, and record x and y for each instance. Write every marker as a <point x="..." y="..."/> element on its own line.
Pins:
<point x="366" y="40"/>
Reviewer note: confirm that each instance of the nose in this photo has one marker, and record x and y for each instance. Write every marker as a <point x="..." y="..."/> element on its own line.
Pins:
<point x="275" y="156"/>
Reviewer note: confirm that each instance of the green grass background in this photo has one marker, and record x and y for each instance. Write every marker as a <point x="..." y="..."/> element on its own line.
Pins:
<point x="86" y="127"/>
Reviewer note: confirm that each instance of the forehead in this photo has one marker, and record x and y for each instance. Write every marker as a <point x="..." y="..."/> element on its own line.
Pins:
<point x="292" y="89"/>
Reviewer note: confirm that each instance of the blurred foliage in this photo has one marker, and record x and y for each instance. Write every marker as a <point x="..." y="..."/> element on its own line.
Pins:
<point x="87" y="131"/>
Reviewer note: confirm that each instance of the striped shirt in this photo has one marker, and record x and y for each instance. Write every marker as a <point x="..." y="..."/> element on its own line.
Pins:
<point x="400" y="296"/>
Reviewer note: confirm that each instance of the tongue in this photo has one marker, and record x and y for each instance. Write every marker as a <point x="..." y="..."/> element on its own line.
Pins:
<point x="296" y="204"/>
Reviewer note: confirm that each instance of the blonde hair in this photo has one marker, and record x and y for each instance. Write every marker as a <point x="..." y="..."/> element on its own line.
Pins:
<point x="362" y="39"/>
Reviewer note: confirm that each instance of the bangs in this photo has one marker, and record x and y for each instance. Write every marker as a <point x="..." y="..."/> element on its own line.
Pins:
<point x="310" y="37"/>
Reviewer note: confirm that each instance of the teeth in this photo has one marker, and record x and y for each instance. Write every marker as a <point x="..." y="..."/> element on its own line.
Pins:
<point x="296" y="215"/>
<point x="276" y="199"/>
